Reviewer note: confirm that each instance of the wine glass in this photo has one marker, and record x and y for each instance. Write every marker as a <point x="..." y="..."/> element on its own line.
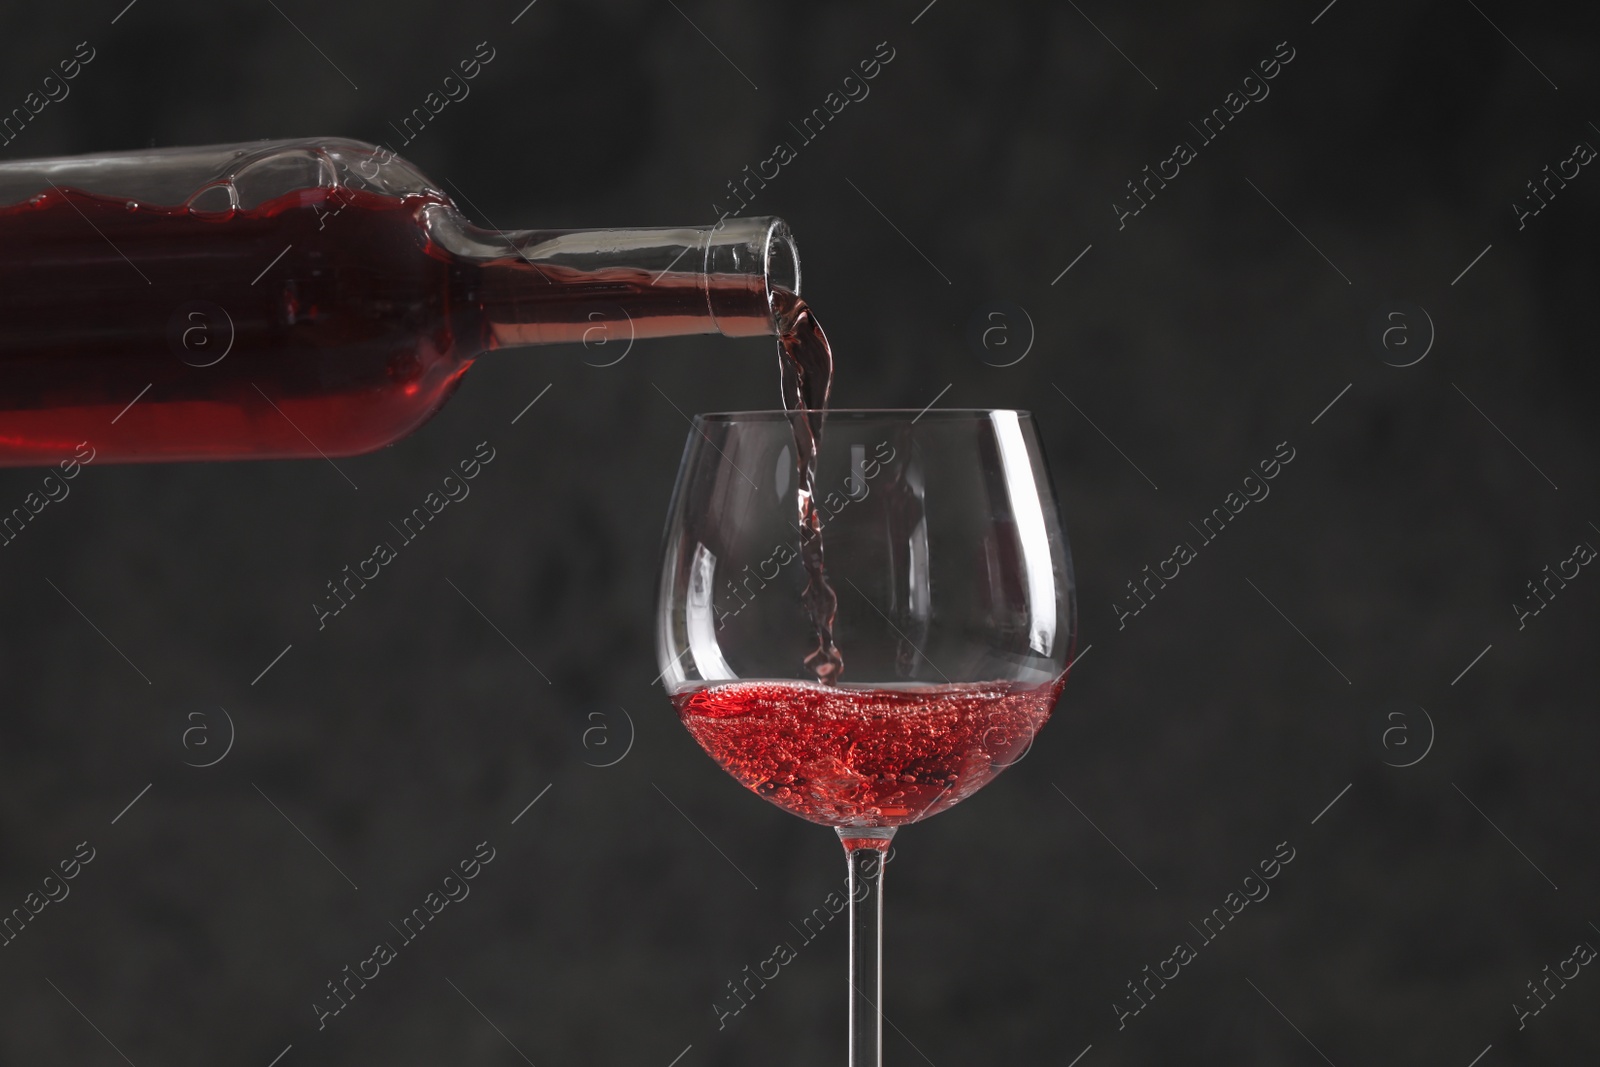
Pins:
<point x="954" y="624"/>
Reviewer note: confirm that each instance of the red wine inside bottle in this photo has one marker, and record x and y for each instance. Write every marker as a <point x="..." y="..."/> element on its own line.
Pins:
<point x="847" y="756"/>
<point x="328" y="321"/>
<point x="212" y="356"/>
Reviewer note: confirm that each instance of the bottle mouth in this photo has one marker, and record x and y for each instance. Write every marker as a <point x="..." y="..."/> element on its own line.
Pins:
<point x="783" y="260"/>
<point x="751" y="265"/>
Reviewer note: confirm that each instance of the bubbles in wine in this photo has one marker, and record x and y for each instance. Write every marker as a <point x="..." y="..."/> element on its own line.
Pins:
<point x="848" y="756"/>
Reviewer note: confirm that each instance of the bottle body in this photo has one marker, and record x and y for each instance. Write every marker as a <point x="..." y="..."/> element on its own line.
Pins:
<point x="304" y="299"/>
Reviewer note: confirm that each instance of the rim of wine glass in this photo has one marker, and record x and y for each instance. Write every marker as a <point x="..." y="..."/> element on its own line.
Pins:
<point x="915" y="414"/>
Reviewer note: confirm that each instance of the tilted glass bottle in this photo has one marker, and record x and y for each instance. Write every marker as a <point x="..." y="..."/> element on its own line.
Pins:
<point x="310" y="297"/>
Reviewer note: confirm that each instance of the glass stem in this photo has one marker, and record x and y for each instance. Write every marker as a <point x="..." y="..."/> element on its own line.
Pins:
<point x="867" y="852"/>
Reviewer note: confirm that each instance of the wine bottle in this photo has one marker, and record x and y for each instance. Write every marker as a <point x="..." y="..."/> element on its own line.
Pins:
<point x="311" y="298"/>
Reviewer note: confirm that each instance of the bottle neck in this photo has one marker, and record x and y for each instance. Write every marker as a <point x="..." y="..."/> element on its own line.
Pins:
<point x="536" y="287"/>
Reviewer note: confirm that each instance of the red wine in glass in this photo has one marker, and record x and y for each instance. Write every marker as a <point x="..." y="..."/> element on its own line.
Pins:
<point x="847" y="756"/>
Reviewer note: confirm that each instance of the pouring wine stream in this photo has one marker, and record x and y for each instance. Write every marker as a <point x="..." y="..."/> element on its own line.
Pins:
<point x="807" y="364"/>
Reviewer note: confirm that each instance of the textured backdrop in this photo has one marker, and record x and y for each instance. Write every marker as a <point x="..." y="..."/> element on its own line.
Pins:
<point x="1352" y="674"/>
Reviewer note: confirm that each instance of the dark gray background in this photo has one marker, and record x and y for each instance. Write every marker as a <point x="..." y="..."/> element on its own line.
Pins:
<point x="1196" y="739"/>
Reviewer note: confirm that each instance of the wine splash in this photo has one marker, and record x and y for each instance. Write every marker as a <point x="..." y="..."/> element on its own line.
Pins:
<point x="807" y="363"/>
